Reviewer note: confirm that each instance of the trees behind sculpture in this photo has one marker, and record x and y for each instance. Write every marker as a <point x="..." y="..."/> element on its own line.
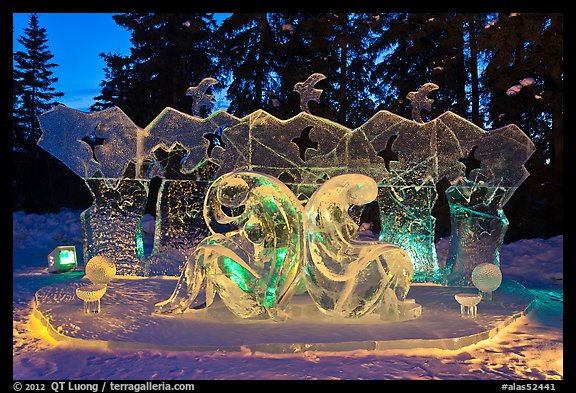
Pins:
<point x="492" y="69"/>
<point x="40" y="182"/>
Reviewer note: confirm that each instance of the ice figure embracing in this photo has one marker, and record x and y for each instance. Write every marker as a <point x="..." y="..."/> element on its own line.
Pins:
<point x="252" y="259"/>
<point x="346" y="276"/>
<point x="263" y="243"/>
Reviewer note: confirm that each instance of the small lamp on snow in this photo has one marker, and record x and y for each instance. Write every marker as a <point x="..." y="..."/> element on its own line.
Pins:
<point x="62" y="259"/>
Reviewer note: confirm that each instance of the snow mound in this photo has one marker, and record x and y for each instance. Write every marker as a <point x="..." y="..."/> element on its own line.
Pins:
<point x="46" y="230"/>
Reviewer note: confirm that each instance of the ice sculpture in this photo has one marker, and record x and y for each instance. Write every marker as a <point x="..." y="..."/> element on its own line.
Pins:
<point x="180" y="146"/>
<point x="478" y="222"/>
<point x="199" y="96"/>
<point x="113" y="224"/>
<point x="347" y="277"/>
<point x="308" y="92"/>
<point x="100" y="269"/>
<point x="100" y="148"/>
<point x="66" y="134"/>
<point x="407" y="191"/>
<point x="253" y="258"/>
<point x="487" y="277"/>
<point x="420" y="101"/>
<point x="405" y="157"/>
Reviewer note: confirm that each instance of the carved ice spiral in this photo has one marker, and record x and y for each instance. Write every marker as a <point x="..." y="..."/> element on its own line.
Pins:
<point x="254" y="262"/>
<point x="344" y="276"/>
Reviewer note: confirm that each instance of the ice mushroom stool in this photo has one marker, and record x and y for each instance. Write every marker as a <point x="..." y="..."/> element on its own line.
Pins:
<point x="91" y="295"/>
<point x="468" y="303"/>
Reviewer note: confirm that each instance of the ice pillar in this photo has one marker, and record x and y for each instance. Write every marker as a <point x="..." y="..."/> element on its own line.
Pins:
<point x="478" y="227"/>
<point x="113" y="224"/>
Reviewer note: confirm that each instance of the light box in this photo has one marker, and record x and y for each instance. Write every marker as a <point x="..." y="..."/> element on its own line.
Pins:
<point x="62" y="259"/>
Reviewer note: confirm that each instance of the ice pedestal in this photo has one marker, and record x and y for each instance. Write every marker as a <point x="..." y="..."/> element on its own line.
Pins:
<point x="113" y="224"/>
<point x="406" y="221"/>
<point x="134" y="326"/>
<point x="468" y="304"/>
<point x="91" y="295"/>
<point x="478" y="228"/>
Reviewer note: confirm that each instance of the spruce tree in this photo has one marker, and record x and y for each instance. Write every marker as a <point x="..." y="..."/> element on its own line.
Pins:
<point x="116" y="85"/>
<point x="523" y="76"/>
<point x="247" y="53"/>
<point x="336" y="45"/>
<point x="170" y="52"/>
<point x="429" y="47"/>
<point x="33" y="85"/>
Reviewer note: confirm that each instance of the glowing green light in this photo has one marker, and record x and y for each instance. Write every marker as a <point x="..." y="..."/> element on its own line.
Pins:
<point x="236" y="272"/>
<point x="271" y="290"/>
<point x="139" y="245"/>
<point x="66" y="257"/>
<point x="281" y="255"/>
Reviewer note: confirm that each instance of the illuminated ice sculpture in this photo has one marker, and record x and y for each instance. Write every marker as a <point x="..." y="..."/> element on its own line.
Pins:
<point x="253" y="257"/>
<point x="407" y="158"/>
<point x="345" y="276"/>
<point x="99" y="270"/>
<point x="255" y="264"/>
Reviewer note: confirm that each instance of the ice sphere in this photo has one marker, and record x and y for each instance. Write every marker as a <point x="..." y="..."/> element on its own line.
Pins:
<point x="347" y="277"/>
<point x="100" y="269"/>
<point x="487" y="277"/>
<point x="253" y="256"/>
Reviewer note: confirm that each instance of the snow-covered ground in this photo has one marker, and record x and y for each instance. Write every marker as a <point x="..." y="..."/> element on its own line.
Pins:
<point x="529" y="348"/>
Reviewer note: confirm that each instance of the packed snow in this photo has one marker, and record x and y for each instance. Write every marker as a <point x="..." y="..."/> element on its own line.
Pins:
<point x="529" y="348"/>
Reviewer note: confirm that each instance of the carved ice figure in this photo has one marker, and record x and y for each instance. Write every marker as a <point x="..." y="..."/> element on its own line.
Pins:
<point x="407" y="191"/>
<point x="344" y="276"/>
<point x="308" y="92"/>
<point x="254" y="263"/>
<point x="478" y="227"/>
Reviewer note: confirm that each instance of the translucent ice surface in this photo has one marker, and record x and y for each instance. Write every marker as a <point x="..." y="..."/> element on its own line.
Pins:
<point x="65" y="132"/>
<point x="407" y="158"/>
<point x="253" y="258"/>
<point x="113" y="224"/>
<point x="347" y="277"/>
<point x="478" y="227"/>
